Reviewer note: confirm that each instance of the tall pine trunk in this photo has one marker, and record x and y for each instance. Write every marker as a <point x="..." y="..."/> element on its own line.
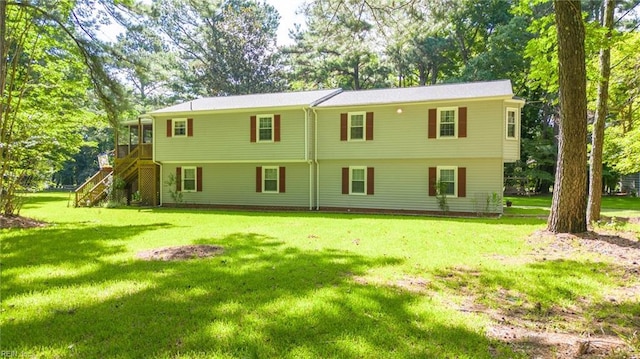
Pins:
<point x="597" y="137"/>
<point x="568" y="211"/>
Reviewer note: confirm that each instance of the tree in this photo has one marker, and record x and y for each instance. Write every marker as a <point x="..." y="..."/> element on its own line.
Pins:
<point x="568" y="210"/>
<point x="49" y="61"/>
<point x="597" y="136"/>
<point x="225" y="47"/>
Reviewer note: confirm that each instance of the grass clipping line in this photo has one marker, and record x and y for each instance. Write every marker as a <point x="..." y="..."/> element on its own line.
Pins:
<point x="180" y="252"/>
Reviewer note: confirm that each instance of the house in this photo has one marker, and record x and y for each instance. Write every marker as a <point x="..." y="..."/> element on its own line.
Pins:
<point x="373" y="150"/>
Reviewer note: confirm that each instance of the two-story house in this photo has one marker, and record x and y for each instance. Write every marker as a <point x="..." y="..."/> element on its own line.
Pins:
<point x="340" y="150"/>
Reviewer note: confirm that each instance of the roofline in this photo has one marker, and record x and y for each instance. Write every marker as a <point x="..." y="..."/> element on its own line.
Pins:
<point x="327" y="97"/>
<point x="230" y="110"/>
<point x="474" y="99"/>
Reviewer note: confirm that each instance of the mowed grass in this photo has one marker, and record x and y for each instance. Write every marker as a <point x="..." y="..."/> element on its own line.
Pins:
<point x="288" y="285"/>
<point x="539" y="205"/>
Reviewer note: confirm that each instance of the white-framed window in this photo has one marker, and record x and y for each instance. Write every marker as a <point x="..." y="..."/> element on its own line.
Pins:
<point x="512" y="123"/>
<point x="357" y="126"/>
<point x="358" y="180"/>
<point x="270" y="179"/>
<point x="447" y="178"/>
<point x="265" y="128"/>
<point x="189" y="178"/>
<point x="447" y="122"/>
<point x="179" y="127"/>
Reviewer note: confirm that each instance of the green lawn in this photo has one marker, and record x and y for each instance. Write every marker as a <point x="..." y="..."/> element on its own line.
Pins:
<point x="612" y="206"/>
<point x="292" y="285"/>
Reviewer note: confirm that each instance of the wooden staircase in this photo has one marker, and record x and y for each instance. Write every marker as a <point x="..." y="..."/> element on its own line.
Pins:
<point x="136" y="168"/>
<point x="95" y="188"/>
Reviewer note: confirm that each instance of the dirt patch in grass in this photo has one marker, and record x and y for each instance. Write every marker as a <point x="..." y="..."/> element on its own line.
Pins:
<point x="180" y="252"/>
<point x="539" y="335"/>
<point x="587" y="329"/>
<point x="19" y="222"/>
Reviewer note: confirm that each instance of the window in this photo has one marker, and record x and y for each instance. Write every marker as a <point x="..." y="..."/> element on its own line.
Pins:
<point x="265" y="128"/>
<point x="188" y="179"/>
<point x="357" y="180"/>
<point x="447" y="121"/>
<point x="447" y="180"/>
<point x="512" y="123"/>
<point x="270" y="179"/>
<point x="179" y="128"/>
<point x="356" y="126"/>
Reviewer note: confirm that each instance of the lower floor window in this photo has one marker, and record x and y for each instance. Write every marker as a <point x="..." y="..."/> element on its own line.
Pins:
<point x="358" y="180"/>
<point x="188" y="179"/>
<point x="447" y="180"/>
<point x="270" y="178"/>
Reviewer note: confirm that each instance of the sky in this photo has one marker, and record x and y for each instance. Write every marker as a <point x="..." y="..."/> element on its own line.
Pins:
<point x="286" y="8"/>
<point x="288" y="17"/>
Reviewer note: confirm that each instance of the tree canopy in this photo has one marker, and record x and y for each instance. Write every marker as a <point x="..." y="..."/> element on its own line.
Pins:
<point x="63" y="83"/>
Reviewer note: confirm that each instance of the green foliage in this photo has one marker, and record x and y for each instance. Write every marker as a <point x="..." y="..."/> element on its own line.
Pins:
<point x="441" y="196"/>
<point x="171" y="182"/>
<point x="222" y="47"/>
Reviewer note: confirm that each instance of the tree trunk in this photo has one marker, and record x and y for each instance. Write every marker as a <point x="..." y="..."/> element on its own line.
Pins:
<point x="597" y="137"/>
<point x="569" y="207"/>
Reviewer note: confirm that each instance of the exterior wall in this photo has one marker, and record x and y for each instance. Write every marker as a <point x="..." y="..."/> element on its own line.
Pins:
<point x="511" y="147"/>
<point x="405" y="135"/>
<point x="226" y="137"/>
<point x="403" y="184"/>
<point x="235" y="184"/>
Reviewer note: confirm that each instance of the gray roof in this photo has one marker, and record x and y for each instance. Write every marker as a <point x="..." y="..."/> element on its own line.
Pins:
<point x="500" y="88"/>
<point x="282" y="99"/>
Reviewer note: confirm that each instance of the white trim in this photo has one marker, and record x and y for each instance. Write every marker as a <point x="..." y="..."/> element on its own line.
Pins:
<point x="351" y="169"/>
<point x="455" y="178"/>
<point x="173" y="127"/>
<point x="506" y="121"/>
<point x="256" y="161"/>
<point x="273" y="125"/>
<point x="364" y="126"/>
<point x="439" y="110"/>
<point x="195" y="179"/>
<point x="264" y="178"/>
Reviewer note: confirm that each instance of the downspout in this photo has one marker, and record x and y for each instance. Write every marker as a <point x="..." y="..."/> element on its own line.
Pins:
<point x="315" y="158"/>
<point x="306" y="155"/>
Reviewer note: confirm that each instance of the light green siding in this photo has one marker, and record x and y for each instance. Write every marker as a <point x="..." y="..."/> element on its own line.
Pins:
<point x="404" y="135"/>
<point x="511" y="147"/>
<point x="226" y="137"/>
<point x="235" y="184"/>
<point x="403" y="184"/>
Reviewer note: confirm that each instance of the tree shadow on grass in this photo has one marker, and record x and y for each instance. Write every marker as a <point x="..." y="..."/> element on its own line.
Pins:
<point x="543" y="298"/>
<point x="23" y="251"/>
<point x="259" y="298"/>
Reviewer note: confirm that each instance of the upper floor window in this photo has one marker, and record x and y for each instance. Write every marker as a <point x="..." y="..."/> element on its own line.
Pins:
<point x="179" y="127"/>
<point x="447" y="122"/>
<point x="512" y="123"/>
<point x="356" y="126"/>
<point x="265" y="128"/>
